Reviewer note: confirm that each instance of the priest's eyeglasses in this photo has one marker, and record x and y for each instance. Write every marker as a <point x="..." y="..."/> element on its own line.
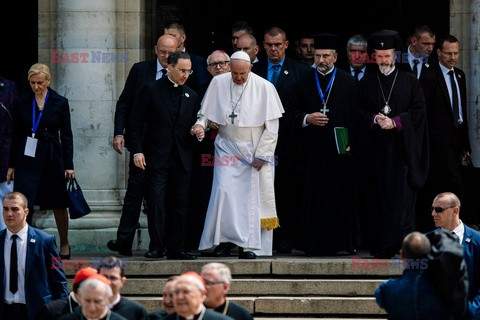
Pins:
<point x="211" y="283"/>
<point x="440" y="209"/>
<point x="220" y="64"/>
<point x="184" y="71"/>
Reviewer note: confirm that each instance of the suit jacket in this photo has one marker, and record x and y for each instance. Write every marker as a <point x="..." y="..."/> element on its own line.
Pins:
<point x="446" y="141"/>
<point x="163" y="133"/>
<point x="209" y="315"/>
<point x="141" y="73"/>
<point x="471" y="246"/>
<point x="412" y="296"/>
<point x="292" y="70"/>
<point x="56" y="308"/>
<point x="54" y="153"/>
<point x="8" y="93"/>
<point x="43" y="281"/>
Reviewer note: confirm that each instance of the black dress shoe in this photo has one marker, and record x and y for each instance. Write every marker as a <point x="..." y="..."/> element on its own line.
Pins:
<point x="153" y="254"/>
<point x="114" y="246"/>
<point x="223" y="249"/>
<point x="181" y="256"/>
<point x="247" y="255"/>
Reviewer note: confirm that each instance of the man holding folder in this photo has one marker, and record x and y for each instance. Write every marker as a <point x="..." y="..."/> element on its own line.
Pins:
<point x="320" y="110"/>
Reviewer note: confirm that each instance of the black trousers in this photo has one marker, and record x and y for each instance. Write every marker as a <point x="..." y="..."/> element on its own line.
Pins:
<point x="132" y="206"/>
<point x="167" y="202"/>
<point x="14" y="311"/>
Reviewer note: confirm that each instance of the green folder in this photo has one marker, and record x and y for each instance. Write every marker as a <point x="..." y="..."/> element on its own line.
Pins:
<point x="341" y="138"/>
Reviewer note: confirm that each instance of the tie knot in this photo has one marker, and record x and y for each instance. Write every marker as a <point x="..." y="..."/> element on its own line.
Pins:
<point x="164" y="72"/>
<point x="416" y="61"/>
<point x="276" y="67"/>
<point x="357" y="71"/>
<point x="451" y="73"/>
<point x="14" y="237"/>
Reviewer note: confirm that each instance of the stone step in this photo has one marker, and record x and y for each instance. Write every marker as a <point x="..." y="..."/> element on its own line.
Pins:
<point x="281" y="267"/>
<point x="294" y="306"/>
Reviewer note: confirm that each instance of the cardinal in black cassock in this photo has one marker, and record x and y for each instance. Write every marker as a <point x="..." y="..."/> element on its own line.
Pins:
<point x="326" y="219"/>
<point x="394" y="160"/>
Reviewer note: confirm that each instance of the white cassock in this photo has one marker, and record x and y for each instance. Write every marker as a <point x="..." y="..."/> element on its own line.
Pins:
<point x="242" y="203"/>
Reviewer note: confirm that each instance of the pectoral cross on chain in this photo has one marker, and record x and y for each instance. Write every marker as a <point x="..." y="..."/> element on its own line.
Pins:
<point x="232" y="116"/>
<point x="324" y="110"/>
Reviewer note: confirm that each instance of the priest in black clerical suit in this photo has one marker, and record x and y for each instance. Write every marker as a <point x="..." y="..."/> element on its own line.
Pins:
<point x="162" y="145"/>
<point x="391" y="116"/>
<point x="326" y="218"/>
<point x="449" y="141"/>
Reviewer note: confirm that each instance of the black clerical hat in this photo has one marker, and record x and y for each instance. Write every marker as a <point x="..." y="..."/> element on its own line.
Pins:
<point x="325" y="41"/>
<point x="384" y="40"/>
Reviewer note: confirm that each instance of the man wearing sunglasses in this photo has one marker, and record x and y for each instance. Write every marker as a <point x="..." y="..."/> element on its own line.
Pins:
<point x="446" y="215"/>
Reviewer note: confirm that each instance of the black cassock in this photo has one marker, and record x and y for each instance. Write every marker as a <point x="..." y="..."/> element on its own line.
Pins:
<point x="325" y="217"/>
<point x="394" y="163"/>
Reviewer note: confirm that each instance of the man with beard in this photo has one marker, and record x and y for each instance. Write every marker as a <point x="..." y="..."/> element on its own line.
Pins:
<point x="320" y="102"/>
<point x="391" y="117"/>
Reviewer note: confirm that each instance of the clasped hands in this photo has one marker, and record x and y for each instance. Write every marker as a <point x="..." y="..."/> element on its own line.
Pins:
<point x="384" y="122"/>
<point x="317" y="119"/>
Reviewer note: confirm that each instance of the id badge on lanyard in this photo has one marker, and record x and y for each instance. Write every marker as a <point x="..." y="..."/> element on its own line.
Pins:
<point x="31" y="144"/>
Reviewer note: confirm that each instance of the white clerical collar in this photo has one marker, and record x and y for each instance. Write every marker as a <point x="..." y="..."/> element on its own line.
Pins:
<point x="174" y="83"/>
<point x="115" y="302"/>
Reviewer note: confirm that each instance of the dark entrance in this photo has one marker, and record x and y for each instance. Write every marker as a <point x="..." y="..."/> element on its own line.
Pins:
<point x="208" y="23"/>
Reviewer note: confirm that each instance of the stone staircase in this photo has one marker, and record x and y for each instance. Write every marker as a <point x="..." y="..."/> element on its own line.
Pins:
<point x="281" y="287"/>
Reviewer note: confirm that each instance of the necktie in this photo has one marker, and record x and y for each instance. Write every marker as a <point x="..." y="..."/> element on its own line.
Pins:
<point x="13" y="265"/>
<point x="164" y="72"/>
<point x="357" y="72"/>
<point x="415" y="67"/>
<point x="455" y="110"/>
<point x="276" y="73"/>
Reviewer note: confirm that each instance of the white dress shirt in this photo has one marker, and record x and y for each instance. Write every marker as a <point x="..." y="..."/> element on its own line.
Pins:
<point x="19" y="296"/>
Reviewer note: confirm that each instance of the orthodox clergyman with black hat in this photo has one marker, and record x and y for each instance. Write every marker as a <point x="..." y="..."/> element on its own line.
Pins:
<point x="321" y="103"/>
<point x="391" y="118"/>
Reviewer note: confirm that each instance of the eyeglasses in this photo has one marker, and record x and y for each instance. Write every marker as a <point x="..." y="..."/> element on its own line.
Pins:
<point x="164" y="53"/>
<point x="440" y="209"/>
<point x="218" y="63"/>
<point x="451" y="54"/>
<point x="184" y="71"/>
<point x="211" y="283"/>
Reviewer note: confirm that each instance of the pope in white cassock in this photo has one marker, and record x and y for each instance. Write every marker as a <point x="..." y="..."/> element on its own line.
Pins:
<point x="241" y="210"/>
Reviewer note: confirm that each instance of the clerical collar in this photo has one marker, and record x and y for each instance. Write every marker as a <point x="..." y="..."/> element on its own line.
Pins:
<point x="197" y="316"/>
<point x="115" y="302"/>
<point x="324" y="74"/>
<point x="174" y="83"/>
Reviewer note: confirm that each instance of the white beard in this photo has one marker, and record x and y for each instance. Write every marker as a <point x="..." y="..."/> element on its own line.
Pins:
<point x="385" y="69"/>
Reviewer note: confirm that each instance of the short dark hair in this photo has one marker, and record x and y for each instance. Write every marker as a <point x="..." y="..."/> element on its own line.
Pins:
<point x="242" y="25"/>
<point x="175" y="56"/>
<point x="415" y="246"/>
<point x="448" y="38"/>
<point x="419" y="30"/>
<point x="110" y="263"/>
<point x="175" y="25"/>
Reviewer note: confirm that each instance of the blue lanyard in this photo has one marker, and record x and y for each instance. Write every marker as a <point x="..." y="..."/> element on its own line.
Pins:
<point x="35" y="122"/>
<point x="320" y="92"/>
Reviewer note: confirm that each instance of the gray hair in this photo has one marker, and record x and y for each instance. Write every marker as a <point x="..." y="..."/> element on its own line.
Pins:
<point x="357" y="40"/>
<point x="93" y="284"/>
<point x="223" y="271"/>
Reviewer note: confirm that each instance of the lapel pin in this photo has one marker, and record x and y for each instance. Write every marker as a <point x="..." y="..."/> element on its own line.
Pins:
<point x="32" y="240"/>
<point x="286" y="72"/>
<point x="427" y="65"/>
<point x="468" y="240"/>
<point x="187" y="95"/>
<point x="459" y="76"/>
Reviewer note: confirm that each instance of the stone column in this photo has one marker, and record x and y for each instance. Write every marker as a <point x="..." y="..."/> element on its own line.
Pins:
<point x="90" y="46"/>
<point x="464" y="24"/>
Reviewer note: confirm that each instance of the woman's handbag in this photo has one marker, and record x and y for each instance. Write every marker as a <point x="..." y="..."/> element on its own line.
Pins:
<point x="77" y="205"/>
